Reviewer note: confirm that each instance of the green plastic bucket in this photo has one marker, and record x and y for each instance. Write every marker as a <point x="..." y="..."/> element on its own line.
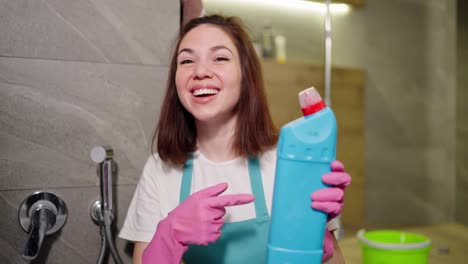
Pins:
<point x="393" y="247"/>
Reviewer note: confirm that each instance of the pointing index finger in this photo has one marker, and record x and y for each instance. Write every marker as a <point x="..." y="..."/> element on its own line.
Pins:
<point x="211" y="191"/>
<point x="230" y="200"/>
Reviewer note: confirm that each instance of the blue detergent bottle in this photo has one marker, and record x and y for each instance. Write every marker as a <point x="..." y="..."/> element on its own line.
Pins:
<point x="306" y="148"/>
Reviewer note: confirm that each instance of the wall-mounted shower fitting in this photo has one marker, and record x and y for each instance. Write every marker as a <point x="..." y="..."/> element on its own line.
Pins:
<point x="40" y="214"/>
<point x="101" y="211"/>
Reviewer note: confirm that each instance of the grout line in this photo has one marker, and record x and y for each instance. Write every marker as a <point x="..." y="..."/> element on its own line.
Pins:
<point x="80" y="33"/>
<point x="62" y="187"/>
<point x="149" y="65"/>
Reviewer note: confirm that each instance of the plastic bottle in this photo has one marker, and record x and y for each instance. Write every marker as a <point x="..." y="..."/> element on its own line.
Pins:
<point x="306" y="148"/>
<point x="268" y="46"/>
<point x="280" y="48"/>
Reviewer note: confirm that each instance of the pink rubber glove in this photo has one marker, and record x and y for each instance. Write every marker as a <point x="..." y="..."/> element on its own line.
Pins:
<point x="328" y="245"/>
<point x="197" y="220"/>
<point x="330" y="200"/>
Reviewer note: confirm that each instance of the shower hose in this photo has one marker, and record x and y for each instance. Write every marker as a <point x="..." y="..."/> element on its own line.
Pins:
<point x="107" y="241"/>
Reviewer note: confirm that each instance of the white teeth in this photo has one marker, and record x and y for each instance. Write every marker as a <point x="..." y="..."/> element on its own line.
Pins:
<point x="204" y="91"/>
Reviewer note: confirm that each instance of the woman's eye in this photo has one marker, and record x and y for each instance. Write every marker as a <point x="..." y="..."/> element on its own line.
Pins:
<point x="222" y="59"/>
<point x="187" y="61"/>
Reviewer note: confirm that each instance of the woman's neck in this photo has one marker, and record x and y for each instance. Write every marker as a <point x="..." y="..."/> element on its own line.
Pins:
<point x="215" y="139"/>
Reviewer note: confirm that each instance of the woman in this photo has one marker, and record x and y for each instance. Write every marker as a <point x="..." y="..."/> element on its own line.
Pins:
<point x="205" y="195"/>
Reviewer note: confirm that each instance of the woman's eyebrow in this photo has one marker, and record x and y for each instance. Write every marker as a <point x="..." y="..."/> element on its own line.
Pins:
<point x="218" y="47"/>
<point x="186" y="50"/>
<point x="214" y="48"/>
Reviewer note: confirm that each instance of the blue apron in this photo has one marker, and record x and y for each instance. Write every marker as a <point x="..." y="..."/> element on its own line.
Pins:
<point x="240" y="242"/>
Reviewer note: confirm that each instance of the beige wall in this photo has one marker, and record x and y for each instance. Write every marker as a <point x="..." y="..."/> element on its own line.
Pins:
<point x="73" y="75"/>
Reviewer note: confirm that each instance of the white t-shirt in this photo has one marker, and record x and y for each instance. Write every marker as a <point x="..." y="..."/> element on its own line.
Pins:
<point x="158" y="190"/>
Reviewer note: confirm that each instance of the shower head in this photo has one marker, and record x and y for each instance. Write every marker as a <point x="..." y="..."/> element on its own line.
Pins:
<point x="99" y="154"/>
<point x="104" y="158"/>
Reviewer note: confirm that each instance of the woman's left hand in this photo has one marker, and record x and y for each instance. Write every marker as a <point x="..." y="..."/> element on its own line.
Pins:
<point x="330" y="200"/>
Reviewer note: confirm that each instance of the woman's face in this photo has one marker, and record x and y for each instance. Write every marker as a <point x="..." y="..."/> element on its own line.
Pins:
<point x="208" y="75"/>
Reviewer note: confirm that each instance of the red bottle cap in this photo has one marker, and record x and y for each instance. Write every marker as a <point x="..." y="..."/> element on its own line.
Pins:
<point x="310" y="101"/>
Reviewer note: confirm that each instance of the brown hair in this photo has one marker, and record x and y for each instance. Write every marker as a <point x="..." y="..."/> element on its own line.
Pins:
<point x="255" y="132"/>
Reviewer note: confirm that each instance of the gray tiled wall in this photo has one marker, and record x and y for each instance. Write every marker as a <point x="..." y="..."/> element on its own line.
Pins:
<point x="410" y="111"/>
<point x="73" y="75"/>
<point x="462" y="113"/>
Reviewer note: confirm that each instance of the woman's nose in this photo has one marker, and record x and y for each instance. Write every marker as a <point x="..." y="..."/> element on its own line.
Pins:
<point x="202" y="70"/>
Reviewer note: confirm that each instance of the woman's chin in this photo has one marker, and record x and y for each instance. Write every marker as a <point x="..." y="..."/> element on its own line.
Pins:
<point x="205" y="118"/>
<point x="213" y="117"/>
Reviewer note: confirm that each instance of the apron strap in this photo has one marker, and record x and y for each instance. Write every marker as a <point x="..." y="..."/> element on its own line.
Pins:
<point x="255" y="182"/>
<point x="257" y="186"/>
<point x="186" y="179"/>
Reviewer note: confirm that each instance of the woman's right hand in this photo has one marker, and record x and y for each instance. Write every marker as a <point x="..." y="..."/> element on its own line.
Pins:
<point x="197" y="220"/>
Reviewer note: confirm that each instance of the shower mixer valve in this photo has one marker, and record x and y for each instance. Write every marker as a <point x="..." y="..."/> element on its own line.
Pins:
<point x="40" y="214"/>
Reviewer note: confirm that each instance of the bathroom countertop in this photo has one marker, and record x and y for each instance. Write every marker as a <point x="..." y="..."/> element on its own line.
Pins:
<point x="449" y="244"/>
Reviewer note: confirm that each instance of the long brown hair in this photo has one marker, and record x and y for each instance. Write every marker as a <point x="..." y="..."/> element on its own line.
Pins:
<point x="255" y="132"/>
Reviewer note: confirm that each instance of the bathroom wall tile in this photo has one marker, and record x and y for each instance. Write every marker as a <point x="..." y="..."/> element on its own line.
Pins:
<point x="405" y="188"/>
<point x="78" y="241"/>
<point x="11" y="234"/>
<point x="9" y="254"/>
<point x="73" y="76"/>
<point x="410" y="113"/>
<point x="462" y="194"/>
<point x="52" y="113"/>
<point x="462" y="157"/>
<point x="97" y="30"/>
<point x="462" y="113"/>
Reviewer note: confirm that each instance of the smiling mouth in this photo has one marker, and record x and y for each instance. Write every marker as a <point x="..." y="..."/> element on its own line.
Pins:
<point x="204" y="92"/>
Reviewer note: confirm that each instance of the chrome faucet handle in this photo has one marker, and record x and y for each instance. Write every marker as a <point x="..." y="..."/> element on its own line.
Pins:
<point x="40" y="214"/>
<point x="41" y="221"/>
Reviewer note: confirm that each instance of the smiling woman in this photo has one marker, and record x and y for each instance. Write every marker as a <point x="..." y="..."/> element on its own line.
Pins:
<point x="215" y="131"/>
<point x="208" y="69"/>
<point x="220" y="56"/>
